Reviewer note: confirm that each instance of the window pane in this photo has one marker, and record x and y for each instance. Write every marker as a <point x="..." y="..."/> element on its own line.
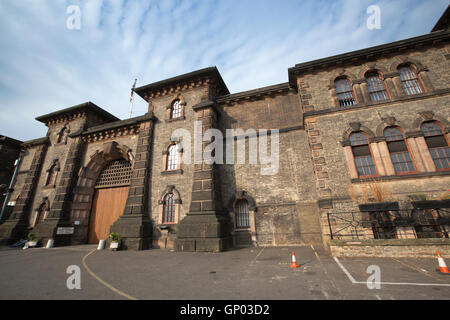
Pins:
<point x="169" y="209"/>
<point x="358" y="138"/>
<point x="242" y="214"/>
<point x="172" y="158"/>
<point x="409" y="81"/>
<point x="441" y="157"/>
<point x="431" y="129"/>
<point x="375" y="87"/>
<point x="344" y="92"/>
<point x="176" y="109"/>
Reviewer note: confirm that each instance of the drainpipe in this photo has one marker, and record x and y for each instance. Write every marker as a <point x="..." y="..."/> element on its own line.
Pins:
<point x="11" y="189"/>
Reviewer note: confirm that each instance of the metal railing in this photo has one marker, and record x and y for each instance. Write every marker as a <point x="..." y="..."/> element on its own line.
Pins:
<point x="394" y="224"/>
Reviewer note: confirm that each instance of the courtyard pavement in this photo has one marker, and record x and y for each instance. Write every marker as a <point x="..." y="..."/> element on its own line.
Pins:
<point x="240" y="274"/>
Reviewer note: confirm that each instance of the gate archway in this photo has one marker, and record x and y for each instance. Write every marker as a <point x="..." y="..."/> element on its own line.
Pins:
<point x="106" y="176"/>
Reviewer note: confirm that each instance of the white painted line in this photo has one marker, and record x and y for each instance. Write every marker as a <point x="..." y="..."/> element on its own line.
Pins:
<point x="378" y="297"/>
<point x="388" y="283"/>
<point x="345" y="270"/>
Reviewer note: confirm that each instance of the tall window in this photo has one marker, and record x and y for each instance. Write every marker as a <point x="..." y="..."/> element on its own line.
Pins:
<point x="176" y="109"/>
<point x="362" y="155"/>
<point x="344" y="92"/>
<point x="242" y="214"/>
<point x="41" y="213"/>
<point x="437" y="144"/>
<point x="52" y="173"/>
<point x="168" y="215"/>
<point x="375" y="86"/>
<point x="172" y="158"/>
<point x="409" y="80"/>
<point x="62" y="137"/>
<point x="398" y="150"/>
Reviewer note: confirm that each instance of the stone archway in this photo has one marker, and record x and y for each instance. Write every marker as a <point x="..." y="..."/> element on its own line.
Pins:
<point x="83" y="194"/>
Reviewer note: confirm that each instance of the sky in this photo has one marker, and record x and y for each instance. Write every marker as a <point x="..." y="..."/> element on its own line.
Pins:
<point x="46" y="64"/>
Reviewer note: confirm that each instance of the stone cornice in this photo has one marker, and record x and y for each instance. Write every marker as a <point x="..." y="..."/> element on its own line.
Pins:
<point x="368" y="54"/>
<point x="255" y="94"/>
<point x="207" y="76"/>
<point x="75" y="112"/>
<point x="115" y="129"/>
<point x="35" y="142"/>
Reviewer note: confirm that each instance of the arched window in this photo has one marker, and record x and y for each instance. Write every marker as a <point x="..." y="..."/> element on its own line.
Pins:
<point x="168" y="214"/>
<point x="176" y="109"/>
<point x="52" y="173"/>
<point x="409" y="80"/>
<point x="242" y="215"/>
<point x="375" y="85"/>
<point x="425" y="224"/>
<point x="362" y="155"/>
<point x="437" y="144"/>
<point x="62" y="137"/>
<point x="344" y="92"/>
<point x="40" y="215"/>
<point x="398" y="150"/>
<point x="172" y="158"/>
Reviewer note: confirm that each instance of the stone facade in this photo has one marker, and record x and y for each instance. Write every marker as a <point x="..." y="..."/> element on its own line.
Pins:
<point x="316" y="167"/>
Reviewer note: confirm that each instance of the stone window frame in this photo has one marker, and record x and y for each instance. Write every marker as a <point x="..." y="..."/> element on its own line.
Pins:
<point x="169" y="108"/>
<point x="420" y="70"/>
<point x="63" y="134"/>
<point x="165" y="158"/>
<point x="45" y="204"/>
<point x="52" y="170"/>
<point x="411" y="155"/>
<point x="382" y="80"/>
<point x="414" y="69"/>
<point x="444" y="134"/>
<point x="348" y="151"/>
<point x="161" y="202"/>
<point x="334" y="94"/>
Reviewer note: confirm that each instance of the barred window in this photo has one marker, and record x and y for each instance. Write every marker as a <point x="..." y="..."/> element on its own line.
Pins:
<point x="41" y="213"/>
<point x="398" y="150"/>
<point x="425" y="224"/>
<point x="409" y="81"/>
<point x="242" y="214"/>
<point x="362" y="155"/>
<point x="375" y="86"/>
<point x="437" y="144"/>
<point x="344" y="92"/>
<point x="176" y="109"/>
<point x="383" y="225"/>
<point x="62" y="137"/>
<point x="172" y="158"/>
<point x="115" y="173"/>
<point x="168" y="215"/>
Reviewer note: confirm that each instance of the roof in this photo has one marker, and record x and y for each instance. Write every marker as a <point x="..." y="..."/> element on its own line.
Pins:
<point x="211" y="71"/>
<point x="87" y="106"/>
<point x="443" y="22"/>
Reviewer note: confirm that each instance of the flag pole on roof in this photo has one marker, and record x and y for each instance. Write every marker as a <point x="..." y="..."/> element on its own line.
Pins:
<point x="132" y="97"/>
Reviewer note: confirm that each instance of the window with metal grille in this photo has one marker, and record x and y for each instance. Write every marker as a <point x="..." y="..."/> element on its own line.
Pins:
<point x="398" y="150"/>
<point x="344" y="92"/>
<point x="437" y="144"/>
<point x="375" y="86"/>
<point x="115" y="173"/>
<point x="242" y="214"/>
<point x="172" y="158"/>
<point x="383" y="225"/>
<point x="425" y="224"/>
<point x="362" y="155"/>
<point x="409" y="81"/>
<point x="168" y="215"/>
<point x="176" y="109"/>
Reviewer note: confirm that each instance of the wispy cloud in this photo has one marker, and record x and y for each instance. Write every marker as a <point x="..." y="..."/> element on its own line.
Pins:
<point x="45" y="67"/>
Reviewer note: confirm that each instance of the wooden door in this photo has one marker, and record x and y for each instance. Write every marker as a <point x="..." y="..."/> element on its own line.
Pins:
<point x="107" y="207"/>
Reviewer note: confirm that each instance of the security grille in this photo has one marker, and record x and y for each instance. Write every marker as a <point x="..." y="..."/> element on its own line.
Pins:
<point x="115" y="173"/>
<point x="242" y="214"/>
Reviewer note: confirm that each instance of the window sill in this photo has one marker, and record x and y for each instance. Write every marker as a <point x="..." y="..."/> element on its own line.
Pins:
<point x="176" y="119"/>
<point x="172" y="172"/>
<point x="403" y="176"/>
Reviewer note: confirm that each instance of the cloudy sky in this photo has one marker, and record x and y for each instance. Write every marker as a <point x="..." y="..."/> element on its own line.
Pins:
<point x="45" y="66"/>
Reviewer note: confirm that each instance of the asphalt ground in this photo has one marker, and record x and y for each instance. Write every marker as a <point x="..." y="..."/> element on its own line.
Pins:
<point x="242" y="274"/>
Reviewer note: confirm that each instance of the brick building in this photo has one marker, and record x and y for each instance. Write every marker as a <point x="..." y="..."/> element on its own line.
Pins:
<point x="358" y="130"/>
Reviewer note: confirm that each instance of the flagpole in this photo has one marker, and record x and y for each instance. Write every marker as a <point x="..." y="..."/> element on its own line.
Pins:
<point x="132" y="97"/>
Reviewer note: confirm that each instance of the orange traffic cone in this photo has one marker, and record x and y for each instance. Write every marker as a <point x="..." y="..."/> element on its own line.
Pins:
<point x="442" y="266"/>
<point x="294" y="262"/>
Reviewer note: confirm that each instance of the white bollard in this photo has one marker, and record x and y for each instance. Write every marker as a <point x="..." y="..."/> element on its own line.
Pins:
<point x="101" y="245"/>
<point x="50" y="243"/>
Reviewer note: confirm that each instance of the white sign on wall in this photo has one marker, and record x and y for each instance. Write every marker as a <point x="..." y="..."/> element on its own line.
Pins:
<point x="62" y="230"/>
